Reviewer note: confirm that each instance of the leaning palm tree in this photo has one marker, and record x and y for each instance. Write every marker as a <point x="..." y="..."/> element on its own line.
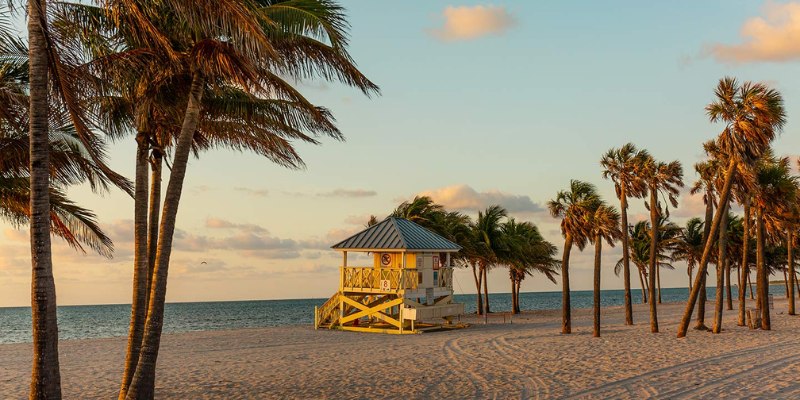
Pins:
<point x="622" y="166"/>
<point x="232" y="44"/>
<point x="604" y="222"/>
<point x="753" y="114"/>
<point x="527" y="252"/>
<point x="661" y="179"/>
<point x="422" y="210"/>
<point x="689" y="247"/>
<point x="574" y="207"/>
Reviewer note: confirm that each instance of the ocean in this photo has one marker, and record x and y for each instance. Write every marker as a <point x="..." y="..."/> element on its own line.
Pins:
<point x="103" y="321"/>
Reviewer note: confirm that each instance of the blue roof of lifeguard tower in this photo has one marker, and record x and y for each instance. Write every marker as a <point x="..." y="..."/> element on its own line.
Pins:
<point x="396" y="234"/>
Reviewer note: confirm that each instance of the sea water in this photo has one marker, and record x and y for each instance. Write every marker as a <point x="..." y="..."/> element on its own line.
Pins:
<point x="102" y="321"/>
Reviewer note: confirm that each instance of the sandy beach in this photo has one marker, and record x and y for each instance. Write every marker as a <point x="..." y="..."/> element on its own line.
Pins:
<point x="526" y="359"/>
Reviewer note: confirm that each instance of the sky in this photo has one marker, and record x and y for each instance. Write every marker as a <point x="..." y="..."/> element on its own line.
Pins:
<point x="481" y="103"/>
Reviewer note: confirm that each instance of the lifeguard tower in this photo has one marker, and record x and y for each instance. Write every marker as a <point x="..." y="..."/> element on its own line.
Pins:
<point x="408" y="289"/>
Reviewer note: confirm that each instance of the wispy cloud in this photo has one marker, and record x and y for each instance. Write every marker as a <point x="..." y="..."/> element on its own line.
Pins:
<point x="252" y="192"/>
<point x="775" y="37"/>
<point x="218" y="223"/>
<point x="464" y="197"/>
<point x="348" y="193"/>
<point x="467" y="23"/>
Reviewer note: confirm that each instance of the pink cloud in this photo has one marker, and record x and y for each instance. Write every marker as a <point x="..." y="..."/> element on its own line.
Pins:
<point x="467" y="23"/>
<point x="464" y="197"/>
<point x="775" y="37"/>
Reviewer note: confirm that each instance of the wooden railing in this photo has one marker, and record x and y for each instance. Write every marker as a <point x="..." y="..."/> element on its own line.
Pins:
<point x="445" y="278"/>
<point x="370" y="279"/>
<point x="328" y="313"/>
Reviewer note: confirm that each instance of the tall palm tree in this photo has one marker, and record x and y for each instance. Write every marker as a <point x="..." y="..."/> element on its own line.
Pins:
<point x="45" y="69"/>
<point x="574" y="207"/>
<point x="234" y="44"/>
<point x="622" y="166"/>
<point x="775" y="195"/>
<point x="689" y="247"/>
<point x="604" y="221"/>
<point x="662" y="179"/>
<point x="753" y="114"/>
<point x="490" y="245"/>
<point x="705" y="184"/>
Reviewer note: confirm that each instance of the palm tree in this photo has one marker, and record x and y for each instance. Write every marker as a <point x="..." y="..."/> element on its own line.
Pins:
<point x="490" y="245"/>
<point x="234" y="44"/>
<point x="775" y="195"/>
<point x="689" y="247"/>
<point x="574" y="207"/>
<point x="422" y="210"/>
<point x="753" y="114"/>
<point x="639" y="254"/>
<point x="527" y="252"/>
<point x="604" y="222"/>
<point x="39" y="88"/>
<point x="622" y="166"/>
<point x="666" y="179"/>
<point x="706" y="184"/>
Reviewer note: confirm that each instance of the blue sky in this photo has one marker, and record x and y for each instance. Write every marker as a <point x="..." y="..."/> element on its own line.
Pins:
<point x="481" y="102"/>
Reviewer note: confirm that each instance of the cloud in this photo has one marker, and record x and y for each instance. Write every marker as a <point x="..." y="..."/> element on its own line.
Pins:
<point x="464" y="197"/>
<point x="217" y="223"/>
<point x="348" y="193"/>
<point x="252" y="192"/>
<point x="467" y="23"/>
<point x="690" y="206"/>
<point x="775" y="37"/>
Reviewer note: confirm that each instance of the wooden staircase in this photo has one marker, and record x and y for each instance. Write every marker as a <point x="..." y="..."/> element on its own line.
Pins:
<point x="327" y="315"/>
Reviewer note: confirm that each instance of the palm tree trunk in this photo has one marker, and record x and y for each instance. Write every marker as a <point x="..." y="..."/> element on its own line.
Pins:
<point x="743" y="268"/>
<point x="701" y="272"/>
<point x="653" y="259"/>
<point x="728" y="290"/>
<point x="721" y="264"/>
<point x="785" y="284"/>
<point x="598" y="245"/>
<point x="658" y="282"/>
<point x="513" y="296"/>
<point x="762" y="283"/>
<point x="45" y="373"/>
<point x="140" y="267"/>
<point x="566" y="317"/>
<point x="519" y="286"/>
<point x="643" y="286"/>
<point x="790" y="260"/>
<point x="626" y="263"/>
<point x="689" y="272"/>
<point x="750" y="282"/>
<point x="486" y="290"/>
<point x="700" y="323"/>
<point x="155" y="210"/>
<point x="143" y="384"/>
<point x="478" y="277"/>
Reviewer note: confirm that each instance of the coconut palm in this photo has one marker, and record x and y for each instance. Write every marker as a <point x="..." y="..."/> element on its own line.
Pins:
<point x="622" y="166"/>
<point x="689" y="247"/>
<point x="706" y="185"/>
<point x="574" y="207"/>
<point x="604" y="225"/>
<point x="661" y="179"/>
<point x="753" y="114"/>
